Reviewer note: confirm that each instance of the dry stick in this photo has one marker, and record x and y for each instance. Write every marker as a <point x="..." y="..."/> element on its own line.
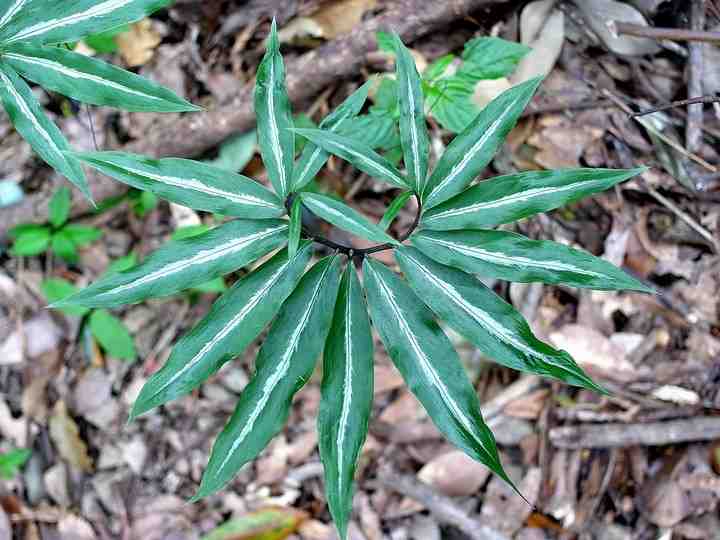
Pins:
<point x="442" y="507"/>
<point x="195" y="133"/>
<point x="664" y="138"/>
<point x="681" y="103"/>
<point x="643" y="434"/>
<point x="674" y="34"/>
<point x="693" y="128"/>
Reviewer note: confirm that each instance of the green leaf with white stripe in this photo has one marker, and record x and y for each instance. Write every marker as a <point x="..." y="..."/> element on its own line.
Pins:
<point x="513" y="257"/>
<point x="470" y="152"/>
<point x="313" y="158"/>
<point x="181" y="264"/>
<point x="509" y="198"/>
<point x="430" y="366"/>
<point x="274" y="117"/>
<point x="413" y="127"/>
<point x="285" y="363"/>
<point x="295" y="226"/>
<point x="344" y="217"/>
<point x="91" y="81"/>
<point x="190" y="183"/>
<point x="234" y="322"/>
<point x="346" y="396"/>
<point x="490" y="323"/>
<point x="393" y="210"/>
<point x="357" y="153"/>
<point x="36" y="128"/>
<point x="64" y="21"/>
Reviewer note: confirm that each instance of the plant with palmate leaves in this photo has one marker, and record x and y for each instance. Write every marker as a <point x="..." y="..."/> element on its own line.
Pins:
<point x="32" y="34"/>
<point x="323" y="310"/>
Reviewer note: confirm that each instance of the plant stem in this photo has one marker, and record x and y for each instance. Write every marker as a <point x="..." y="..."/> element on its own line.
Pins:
<point x="357" y="253"/>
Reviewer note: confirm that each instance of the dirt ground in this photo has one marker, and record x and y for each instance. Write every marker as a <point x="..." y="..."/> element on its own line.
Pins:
<point x="643" y="463"/>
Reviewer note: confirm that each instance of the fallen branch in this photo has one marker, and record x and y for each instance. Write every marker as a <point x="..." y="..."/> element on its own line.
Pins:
<point x="645" y="434"/>
<point x="443" y="508"/>
<point x="674" y="34"/>
<point x="195" y="133"/>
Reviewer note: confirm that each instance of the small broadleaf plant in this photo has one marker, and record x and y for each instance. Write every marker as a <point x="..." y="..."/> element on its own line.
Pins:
<point x="32" y="35"/>
<point x="324" y="311"/>
<point x="62" y="238"/>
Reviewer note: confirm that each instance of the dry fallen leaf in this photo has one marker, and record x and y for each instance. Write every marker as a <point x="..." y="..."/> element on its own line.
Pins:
<point x="65" y="434"/>
<point x="333" y="19"/>
<point x="274" y="523"/>
<point x="594" y="352"/>
<point x="601" y="15"/>
<point x="137" y="45"/>
<point x="542" y="28"/>
<point x="454" y="474"/>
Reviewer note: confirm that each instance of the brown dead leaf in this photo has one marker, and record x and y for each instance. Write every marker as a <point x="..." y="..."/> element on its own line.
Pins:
<point x="594" y="352"/>
<point x="386" y="378"/>
<point x="561" y="142"/>
<point x="542" y="28"/>
<point x="272" y="523"/>
<point x="454" y="474"/>
<point x="504" y="509"/>
<point x="65" y="434"/>
<point x="137" y="45"/>
<point x="333" y="19"/>
<point x="72" y="527"/>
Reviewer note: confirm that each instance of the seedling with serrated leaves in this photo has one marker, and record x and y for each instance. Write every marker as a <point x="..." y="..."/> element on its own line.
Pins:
<point x="31" y="35"/>
<point x="58" y="236"/>
<point x="323" y="310"/>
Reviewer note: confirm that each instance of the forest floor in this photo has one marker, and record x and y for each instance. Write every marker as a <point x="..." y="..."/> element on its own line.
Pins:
<point x="641" y="463"/>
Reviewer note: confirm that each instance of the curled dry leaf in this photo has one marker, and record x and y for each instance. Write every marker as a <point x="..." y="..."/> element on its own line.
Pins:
<point x="273" y="523"/>
<point x="601" y="15"/>
<point x="542" y="28"/>
<point x="333" y="19"/>
<point x="137" y="45"/>
<point x="65" y="434"/>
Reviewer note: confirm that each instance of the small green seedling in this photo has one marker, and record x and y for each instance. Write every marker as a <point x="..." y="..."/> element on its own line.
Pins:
<point x="12" y="461"/>
<point x="106" y="329"/>
<point x="327" y="311"/>
<point x="58" y="236"/>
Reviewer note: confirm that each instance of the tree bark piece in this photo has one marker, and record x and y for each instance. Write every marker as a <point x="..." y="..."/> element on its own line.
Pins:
<point x="646" y="434"/>
<point x="195" y="133"/>
<point x="693" y="129"/>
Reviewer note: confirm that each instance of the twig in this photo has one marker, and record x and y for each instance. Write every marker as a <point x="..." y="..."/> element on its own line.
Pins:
<point x="680" y="103"/>
<point x="674" y="34"/>
<point x="693" y="128"/>
<point x="692" y="223"/>
<point x="664" y="138"/>
<point x="442" y="507"/>
<point x="643" y="434"/>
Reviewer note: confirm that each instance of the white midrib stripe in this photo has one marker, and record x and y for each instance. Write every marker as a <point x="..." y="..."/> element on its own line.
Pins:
<point x="511" y="260"/>
<point x="342" y="217"/>
<point x="479" y="316"/>
<point x="75" y="74"/>
<point x="425" y="363"/>
<point x="414" y="136"/>
<point x="229" y="327"/>
<point x="508" y="199"/>
<point x="197" y="185"/>
<point x="347" y="389"/>
<point x="12" y="10"/>
<point x="469" y="156"/>
<point x="317" y="151"/>
<point x="44" y="27"/>
<point x="370" y="163"/>
<point x="280" y="371"/>
<point x="30" y="116"/>
<point x="274" y="132"/>
<point x="201" y="257"/>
